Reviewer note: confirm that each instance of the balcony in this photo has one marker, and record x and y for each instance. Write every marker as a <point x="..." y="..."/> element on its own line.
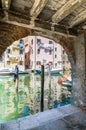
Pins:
<point x="18" y="46"/>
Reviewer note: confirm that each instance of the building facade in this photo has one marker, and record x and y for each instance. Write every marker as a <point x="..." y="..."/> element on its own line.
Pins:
<point x="14" y="55"/>
<point x="43" y="51"/>
<point x="32" y="51"/>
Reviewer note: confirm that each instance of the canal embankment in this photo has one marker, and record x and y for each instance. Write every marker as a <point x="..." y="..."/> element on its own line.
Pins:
<point x="62" y="118"/>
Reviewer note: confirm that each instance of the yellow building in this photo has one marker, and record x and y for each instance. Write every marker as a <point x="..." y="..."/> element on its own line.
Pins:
<point x="14" y="55"/>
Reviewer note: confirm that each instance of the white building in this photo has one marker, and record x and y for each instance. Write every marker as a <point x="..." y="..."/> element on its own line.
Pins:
<point x="44" y="50"/>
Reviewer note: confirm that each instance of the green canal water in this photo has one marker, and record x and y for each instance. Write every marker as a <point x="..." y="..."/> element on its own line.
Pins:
<point x="26" y="101"/>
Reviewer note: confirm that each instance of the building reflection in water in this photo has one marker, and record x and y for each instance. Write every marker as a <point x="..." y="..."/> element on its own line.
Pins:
<point x="26" y="101"/>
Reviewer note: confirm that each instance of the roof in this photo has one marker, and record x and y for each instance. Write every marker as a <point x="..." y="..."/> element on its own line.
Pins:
<point x="58" y="15"/>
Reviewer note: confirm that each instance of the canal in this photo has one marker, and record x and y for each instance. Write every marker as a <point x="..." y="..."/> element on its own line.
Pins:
<point x="26" y="101"/>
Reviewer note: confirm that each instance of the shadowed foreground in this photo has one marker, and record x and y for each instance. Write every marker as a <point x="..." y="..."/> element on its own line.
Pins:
<point x="63" y="118"/>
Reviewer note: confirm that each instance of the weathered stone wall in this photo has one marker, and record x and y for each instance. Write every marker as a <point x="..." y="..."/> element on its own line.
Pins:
<point x="10" y="33"/>
<point x="79" y="86"/>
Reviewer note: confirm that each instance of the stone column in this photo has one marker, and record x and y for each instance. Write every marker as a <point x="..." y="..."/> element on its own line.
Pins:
<point x="79" y="73"/>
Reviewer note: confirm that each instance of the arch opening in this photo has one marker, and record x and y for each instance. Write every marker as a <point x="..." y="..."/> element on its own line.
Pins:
<point x="74" y="54"/>
<point x="52" y="99"/>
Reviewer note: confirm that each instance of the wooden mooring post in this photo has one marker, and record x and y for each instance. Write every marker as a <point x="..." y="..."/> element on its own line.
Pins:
<point x="42" y="88"/>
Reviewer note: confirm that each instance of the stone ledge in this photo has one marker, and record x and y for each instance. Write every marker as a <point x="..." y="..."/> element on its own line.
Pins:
<point x="40" y="119"/>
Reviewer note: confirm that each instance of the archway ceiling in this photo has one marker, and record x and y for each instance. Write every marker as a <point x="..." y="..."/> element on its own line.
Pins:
<point x="19" y="18"/>
<point x="60" y="14"/>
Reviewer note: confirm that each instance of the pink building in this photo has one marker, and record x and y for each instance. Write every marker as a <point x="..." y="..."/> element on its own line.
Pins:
<point x="43" y="50"/>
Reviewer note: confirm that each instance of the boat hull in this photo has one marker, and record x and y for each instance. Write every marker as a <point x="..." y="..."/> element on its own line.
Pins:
<point x="11" y="73"/>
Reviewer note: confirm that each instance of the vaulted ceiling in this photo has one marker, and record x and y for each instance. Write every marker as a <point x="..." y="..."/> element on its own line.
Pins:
<point x="63" y="16"/>
<point x="60" y="15"/>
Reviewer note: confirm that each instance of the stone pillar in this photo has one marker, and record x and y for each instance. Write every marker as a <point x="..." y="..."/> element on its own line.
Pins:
<point x="79" y="73"/>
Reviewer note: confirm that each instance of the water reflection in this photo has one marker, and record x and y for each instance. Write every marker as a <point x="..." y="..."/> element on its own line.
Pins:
<point x="26" y="101"/>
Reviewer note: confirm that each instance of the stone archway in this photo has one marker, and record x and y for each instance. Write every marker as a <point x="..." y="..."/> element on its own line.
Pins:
<point x="79" y="72"/>
<point x="10" y="33"/>
<point x="75" y="47"/>
<point x="76" y="50"/>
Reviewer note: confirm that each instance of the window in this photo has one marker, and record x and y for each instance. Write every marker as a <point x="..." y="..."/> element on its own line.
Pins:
<point x="38" y="63"/>
<point x="55" y="56"/>
<point x="8" y="51"/>
<point x="8" y="62"/>
<point x="20" y="51"/>
<point x="55" y="64"/>
<point x="38" y="42"/>
<point x="38" y="51"/>
<point x="50" y="52"/>
<point x="21" y="44"/>
<point x="32" y="41"/>
<point x="50" y="42"/>
<point x="55" y="48"/>
<point x="21" y="63"/>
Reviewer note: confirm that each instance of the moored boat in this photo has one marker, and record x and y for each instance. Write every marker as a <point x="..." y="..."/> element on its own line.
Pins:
<point x="55" y="71"/>
<point x="5" y="72"/>
<point x="67" y="83"/>
<point x="65" y="80"/>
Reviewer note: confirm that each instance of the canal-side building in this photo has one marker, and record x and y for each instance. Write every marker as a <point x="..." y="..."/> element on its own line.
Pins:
<point x="27" y="53"/>
<point x="34" y="51"/>
<point x="13" y="55"/>
<point x="43" y="50"/>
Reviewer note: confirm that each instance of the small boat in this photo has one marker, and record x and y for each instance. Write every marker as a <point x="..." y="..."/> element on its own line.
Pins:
<point x="23" y="72"/>
<point x="52" y="71"/>
<point x="37" y="71"/>
<point x="6" y="72"/>
<point x="55" y="71"/>
<point x="67" y="83"/>
<point x="64" y="78"/>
